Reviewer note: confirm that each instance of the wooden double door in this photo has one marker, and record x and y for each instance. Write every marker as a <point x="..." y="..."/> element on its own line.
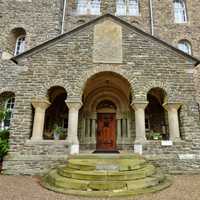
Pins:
<point x="106" y="132"/>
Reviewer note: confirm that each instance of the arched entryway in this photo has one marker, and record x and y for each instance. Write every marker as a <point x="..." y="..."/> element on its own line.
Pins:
<point x="106" y="118"/>
<point x="56" y="117"/>
<point x="156" y="120"/>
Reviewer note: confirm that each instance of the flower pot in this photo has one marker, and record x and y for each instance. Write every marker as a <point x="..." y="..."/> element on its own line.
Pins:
<point x="56" y="136"/>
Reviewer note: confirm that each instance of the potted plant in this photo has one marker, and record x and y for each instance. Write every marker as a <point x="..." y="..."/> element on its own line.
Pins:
<point x="57" y="132"/>
<point x="156" y="136"/>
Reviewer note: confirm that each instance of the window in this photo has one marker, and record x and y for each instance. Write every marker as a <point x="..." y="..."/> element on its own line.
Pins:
<point x="127" y="7"/>
<point x="185" y="47"/>
<point x="89" y="7"/>
<point x="9" y="106"/>
<point x="20" y="45"/>
<point x="180" y="13"/>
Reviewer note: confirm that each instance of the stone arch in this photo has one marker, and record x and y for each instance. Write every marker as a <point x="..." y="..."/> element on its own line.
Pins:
<point x="157" y="84"/>
<point x="54" y="83"/>
<point x="8" y="89"/>
<point x="106" y="68"/>
<point x="156" y="115"/>
<point x="15" y="33"/>
<point x="104" y="87"/>
<point x="111" y="95"/>
<point x="56" y="117"/>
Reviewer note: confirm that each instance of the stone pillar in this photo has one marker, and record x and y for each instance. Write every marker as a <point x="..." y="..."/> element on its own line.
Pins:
<point x="172" y="109"/>
<point x="93" y="131"/>
<point x="73" y="126"/>
<point x="139" y="108"/>
<point x="40" y="106"/>
<point x="119" y="129"/>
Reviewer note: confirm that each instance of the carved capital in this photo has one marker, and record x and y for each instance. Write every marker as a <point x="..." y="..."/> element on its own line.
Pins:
<point x="172" y="106"/>
<point x="139" y="105"/>
<point x="73" y="105"/>
<point x="40" y="103"/>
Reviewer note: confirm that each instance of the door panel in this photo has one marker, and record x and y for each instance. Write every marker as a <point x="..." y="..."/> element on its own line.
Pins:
<point x="106" y="137"/>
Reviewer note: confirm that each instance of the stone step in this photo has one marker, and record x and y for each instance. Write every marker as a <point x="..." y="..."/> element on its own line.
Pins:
<point x="147" y="170"/>
<point x="106" y="176"/>
<point x="55" y="180"/>
<point x="92" y="163"/>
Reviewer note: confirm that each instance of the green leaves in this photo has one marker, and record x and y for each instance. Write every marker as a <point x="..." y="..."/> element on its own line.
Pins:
<point x="4" y="142"/>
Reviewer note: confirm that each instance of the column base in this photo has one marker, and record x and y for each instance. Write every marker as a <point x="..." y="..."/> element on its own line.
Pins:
<point x="138" y="149"/>
<point x="176" y="139"/>
<point x="73" y="149"/>
<point x="140" y="141"/>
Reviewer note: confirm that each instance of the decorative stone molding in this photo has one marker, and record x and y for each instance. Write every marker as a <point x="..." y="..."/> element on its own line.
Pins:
<point x="170" y="106"/>
<point x="40" y="103"/>
<point x="136" y="105"/>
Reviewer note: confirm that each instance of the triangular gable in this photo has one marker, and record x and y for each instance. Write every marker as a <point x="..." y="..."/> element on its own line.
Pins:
<point x="46" y="44"/>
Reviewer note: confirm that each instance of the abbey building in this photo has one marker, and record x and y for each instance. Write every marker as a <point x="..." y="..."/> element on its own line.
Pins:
<point x="90" y="76"/>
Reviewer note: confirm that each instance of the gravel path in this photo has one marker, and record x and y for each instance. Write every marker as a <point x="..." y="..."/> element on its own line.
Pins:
<point x="28" y="188"/>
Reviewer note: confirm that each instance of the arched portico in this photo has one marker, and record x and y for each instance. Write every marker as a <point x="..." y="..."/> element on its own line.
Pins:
<point x="106" y="112"/>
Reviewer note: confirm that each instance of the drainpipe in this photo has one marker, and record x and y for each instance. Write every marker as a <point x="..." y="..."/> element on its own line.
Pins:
<point x="151" y="16"/>
<point x="63" y="17"/>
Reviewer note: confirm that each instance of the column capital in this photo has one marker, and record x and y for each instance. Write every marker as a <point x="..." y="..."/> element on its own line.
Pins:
<point x="139" y="104"/>
<point x="172" y="105"/>
<point x="93" y="115"/>
<point x="75" y="105"/>
<point x="40" y="103"/>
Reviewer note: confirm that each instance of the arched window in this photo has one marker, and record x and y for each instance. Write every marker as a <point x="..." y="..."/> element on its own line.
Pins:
<point x="8" y="107"/>
<point x="127" y="7"/>
<point x="180" y="13"/>
<point x="185" y="46"/>
<point x="20" y="44"/>
<point x="17" y="41"/>
<point x="89" y="7"/>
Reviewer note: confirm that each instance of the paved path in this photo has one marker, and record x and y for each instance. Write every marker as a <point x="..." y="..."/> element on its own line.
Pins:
<point x="28" y="188"/>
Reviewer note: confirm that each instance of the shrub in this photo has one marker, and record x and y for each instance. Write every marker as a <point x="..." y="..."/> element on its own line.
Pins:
<point x="4" y="136"/>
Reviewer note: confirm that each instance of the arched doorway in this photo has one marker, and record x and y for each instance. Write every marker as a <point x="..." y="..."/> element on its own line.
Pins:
<point x="56" y="117"/>
<point x="106" y="120"/>
<point x="156" y="116"/>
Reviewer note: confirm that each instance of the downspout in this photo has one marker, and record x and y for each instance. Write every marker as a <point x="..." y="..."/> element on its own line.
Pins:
<point x="151" y="16"/>
<point x="63" y="17"/>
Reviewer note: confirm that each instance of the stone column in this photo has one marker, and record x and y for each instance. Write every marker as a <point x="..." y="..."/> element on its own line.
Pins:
<point x="119" y="129"/>
<point x="40" y="106"/>
<point x="172" y="109"/>
<point x="139" y="108"/>
<point x="93" y="136"/>
<point x="73" y="126"/>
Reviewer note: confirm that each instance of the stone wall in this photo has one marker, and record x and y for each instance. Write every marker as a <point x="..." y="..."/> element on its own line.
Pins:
<point x="68" y="62"/>
<point x="40" y="19"/>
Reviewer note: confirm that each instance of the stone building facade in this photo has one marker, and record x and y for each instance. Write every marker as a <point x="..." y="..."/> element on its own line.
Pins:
<point x="88" y="69"/>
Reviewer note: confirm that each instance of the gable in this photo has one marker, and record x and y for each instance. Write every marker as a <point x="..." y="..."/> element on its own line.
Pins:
<point x="113" y="42"/>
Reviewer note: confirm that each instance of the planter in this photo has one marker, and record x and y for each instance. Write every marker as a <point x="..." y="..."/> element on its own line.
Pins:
<point x="56" y="136"/>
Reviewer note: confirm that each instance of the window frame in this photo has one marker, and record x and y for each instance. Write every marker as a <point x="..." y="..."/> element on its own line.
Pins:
<point x="89" y="8"/>
<point x="18" y="49"/>
<point x="187" y="45"/>
<point x="184" y="15"/>
<point x="10" y="109"/>
<point x="126" y="8"/>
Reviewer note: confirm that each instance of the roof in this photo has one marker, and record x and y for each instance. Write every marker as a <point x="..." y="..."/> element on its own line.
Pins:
<point x="62" y="36"/>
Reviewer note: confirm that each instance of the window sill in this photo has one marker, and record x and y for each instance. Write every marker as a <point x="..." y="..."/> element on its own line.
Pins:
<point x="87" y="15"/>
<point x="40" y="142"/>
<point x="127" y="15"/>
